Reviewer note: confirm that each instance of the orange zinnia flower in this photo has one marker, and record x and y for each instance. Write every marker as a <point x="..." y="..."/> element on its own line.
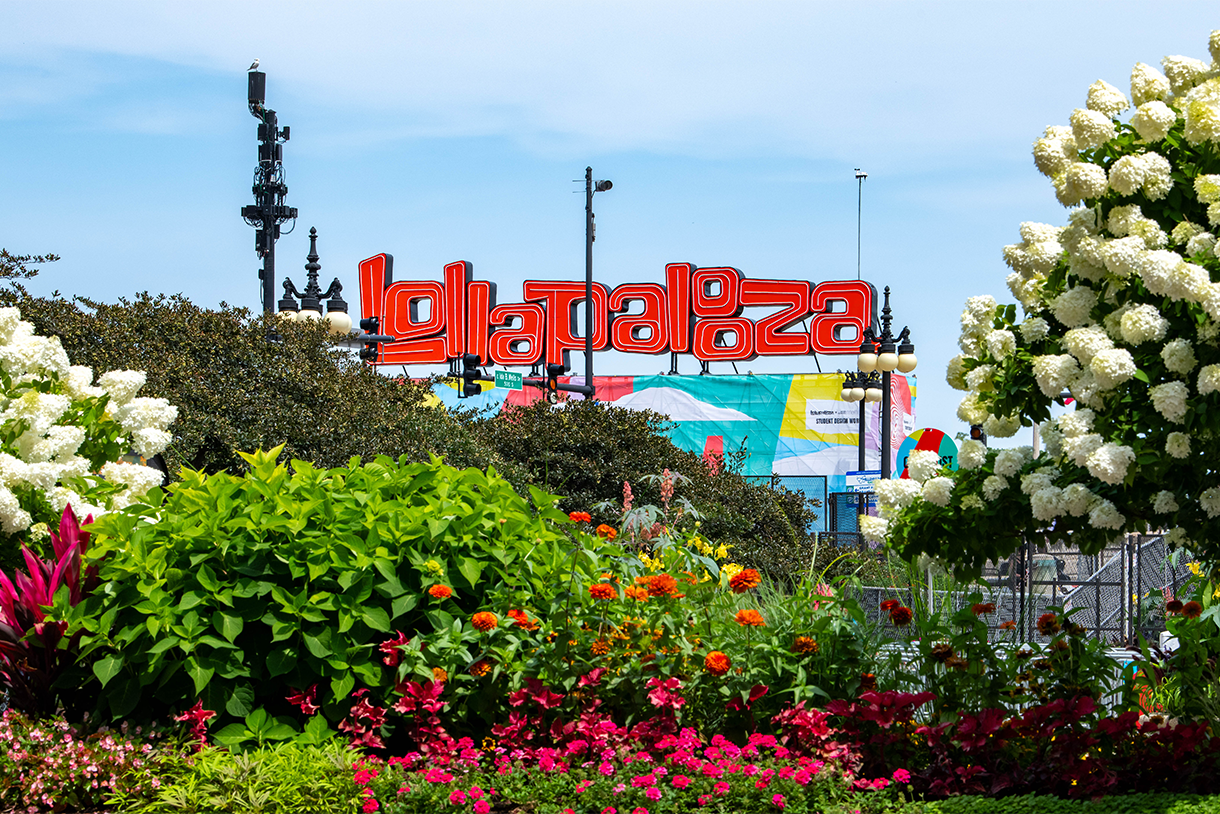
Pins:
<point x="440" y="592"/>
<point x="521" y="620"/>
<point x="1048" y="625"/>
<point x="748" y="617"/>
<point x="485" y="621"/>
<point x="1192" y="610"/>
<point x="717" y="663"/>
<point x="901" y="616"/>
<point x="440" y="674"/>
<point x="639" y="594"/>
<point x="744" y="580"/>
<point x="868" y="683"/>
<point x="804" y="644"/>
<point x="978" y="608"/>
<point x="602" y="590"/>
<point x="580" y="517"/>
<point x="481" y="667"/>
<point x="1009" y="625"/>
<point x="662" y="585"/>
<point x="606" y="532"/>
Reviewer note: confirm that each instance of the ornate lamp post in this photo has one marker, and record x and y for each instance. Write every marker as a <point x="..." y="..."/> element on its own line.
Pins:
<point x="311" y="298"/>
<point x="879" y="357"/>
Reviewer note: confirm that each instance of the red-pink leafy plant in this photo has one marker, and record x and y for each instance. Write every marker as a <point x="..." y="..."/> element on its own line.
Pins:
<point x="35" y="649"/>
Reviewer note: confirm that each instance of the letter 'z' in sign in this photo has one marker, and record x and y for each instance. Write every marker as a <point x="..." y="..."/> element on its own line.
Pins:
<point x="698" y="311"/>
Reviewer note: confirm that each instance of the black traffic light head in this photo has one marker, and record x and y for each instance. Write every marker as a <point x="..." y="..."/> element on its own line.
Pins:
<point x="369" y="325"/>
<point x="470" y="376"/>
<point x="977" y="434"/>
<point x="369" y="352"/>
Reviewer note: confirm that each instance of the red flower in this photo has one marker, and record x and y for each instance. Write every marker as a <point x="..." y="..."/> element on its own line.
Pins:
<point x="888" y="605"/>
<point x="1192" y="610"/>
<point x="717" y="663"/>
<point x="485" y="621"/>
<point x="748" y="617"/>
<point x="979" y="608"/>
<point x="580" y="517"/>
<point x="1048" y="625"/>
<point x="440" y="592"/>
<point x="390" y="647"/>
<point x="602" y="590"/>
<point x="1174" y="606"/>
<point x="901" y="616"/>
<point x="1011" y="624"/>
<point x="307" y="700"/>
<point x="744" y="580"/>
<point x="197" y="717"/>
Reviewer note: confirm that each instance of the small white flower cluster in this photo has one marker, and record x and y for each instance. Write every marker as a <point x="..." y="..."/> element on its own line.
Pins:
<point x="39" y="443"/>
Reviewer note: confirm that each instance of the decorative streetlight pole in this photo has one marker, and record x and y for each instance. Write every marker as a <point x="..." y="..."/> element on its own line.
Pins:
<point x="591" y="187"/>
<point x="268" y="211"/>
<point x="311" y="298"/>
<point x="885" y="354"/>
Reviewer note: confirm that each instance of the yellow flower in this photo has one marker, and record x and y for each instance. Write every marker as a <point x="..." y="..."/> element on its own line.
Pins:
<point x="730" y="569"/>
<point x="722" y="551"/>
<point x="1194" y="568"/>
<point x="433" y="566"/>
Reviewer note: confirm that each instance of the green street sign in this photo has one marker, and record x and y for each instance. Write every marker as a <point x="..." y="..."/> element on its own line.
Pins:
<point x="508" y="379"/>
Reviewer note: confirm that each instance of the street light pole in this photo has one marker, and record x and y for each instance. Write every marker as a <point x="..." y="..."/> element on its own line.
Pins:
<point x="590" y="235"/>
<point x="269" y="189"/>
<point x="879" y="357"/>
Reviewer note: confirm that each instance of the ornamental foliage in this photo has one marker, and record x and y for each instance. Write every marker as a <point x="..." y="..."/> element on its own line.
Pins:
<point x="1121" y="309"/>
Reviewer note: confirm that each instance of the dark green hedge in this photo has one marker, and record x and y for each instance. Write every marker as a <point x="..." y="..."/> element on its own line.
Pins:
<point x="1154" y="803"/>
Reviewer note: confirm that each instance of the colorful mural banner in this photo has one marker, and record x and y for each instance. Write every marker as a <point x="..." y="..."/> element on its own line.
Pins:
<point x="788" y="425"/>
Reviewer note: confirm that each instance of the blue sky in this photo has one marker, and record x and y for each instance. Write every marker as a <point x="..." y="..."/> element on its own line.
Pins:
<point x="452" y="131"/>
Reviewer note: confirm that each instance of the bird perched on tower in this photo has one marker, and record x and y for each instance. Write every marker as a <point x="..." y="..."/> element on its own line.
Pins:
<point x="253" y="65"/>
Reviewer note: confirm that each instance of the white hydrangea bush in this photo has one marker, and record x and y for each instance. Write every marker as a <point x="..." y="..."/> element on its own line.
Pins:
<point x="62" y="435"/>
<point x="1120" y="308"/>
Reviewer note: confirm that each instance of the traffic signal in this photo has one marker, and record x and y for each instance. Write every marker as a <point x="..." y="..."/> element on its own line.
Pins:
<point x="470" y="376"/>
<point x="553" y="372"/>
<point x="977" y="434"/>
<point x="369" y="352"/>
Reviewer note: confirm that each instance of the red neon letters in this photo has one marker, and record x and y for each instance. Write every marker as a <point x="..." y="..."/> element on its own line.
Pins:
<point x="697" y="311"/>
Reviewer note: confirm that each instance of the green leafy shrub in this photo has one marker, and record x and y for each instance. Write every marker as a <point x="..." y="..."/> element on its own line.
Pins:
<point x="283" y="779"/>
<point x="238" y="590"/>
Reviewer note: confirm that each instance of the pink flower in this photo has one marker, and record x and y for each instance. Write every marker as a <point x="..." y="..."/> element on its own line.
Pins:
<point x="704" y="799"/>
<point x="482" y="807"/>
<point x="778" y="800"/>
<point x="644" y="781"/>
<point x="457" y="797"/>
<point x="609" y="810"/>
<point x="475" y="793"/>
<point x="902" y="776"/>
<point x="721" y="788"/>
<point x="370" y="805"/>
<point x="606" y="769"/>
<point x="653" y="794"/>
<point x="640" y="810"/>
<point x="880" y="783"/>
<point x="802" y="777"/>
<point x="681" y="781"/>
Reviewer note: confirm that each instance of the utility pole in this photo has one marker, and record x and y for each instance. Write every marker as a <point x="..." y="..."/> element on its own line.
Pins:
<point x="268" y="210"/>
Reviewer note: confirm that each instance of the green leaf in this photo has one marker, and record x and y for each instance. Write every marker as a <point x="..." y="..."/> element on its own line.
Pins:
<point x="199" y="674"/>
<point x="107" y="668"/>
<point x="207" y="579"/>
<point x="232" y="735"/>
<point x="124" y="697"/>
<point x="470" y="569"/>
<point x="317" y="646"/>
<point x="403" y="604"/>
<point x="228" y="626"/>
<point x="377" y="619"/>
<point x="241" y="701"/>
<point x="281" y="661"/>
<point x="343" y="685"/>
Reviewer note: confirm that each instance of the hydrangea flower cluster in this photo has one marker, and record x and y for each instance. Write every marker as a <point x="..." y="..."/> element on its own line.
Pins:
<point x="1121" y="313"/>
<point x="61" y="435"/>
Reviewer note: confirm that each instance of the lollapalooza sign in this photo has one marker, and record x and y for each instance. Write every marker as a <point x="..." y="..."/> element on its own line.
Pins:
<point x="697" y="311"/>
